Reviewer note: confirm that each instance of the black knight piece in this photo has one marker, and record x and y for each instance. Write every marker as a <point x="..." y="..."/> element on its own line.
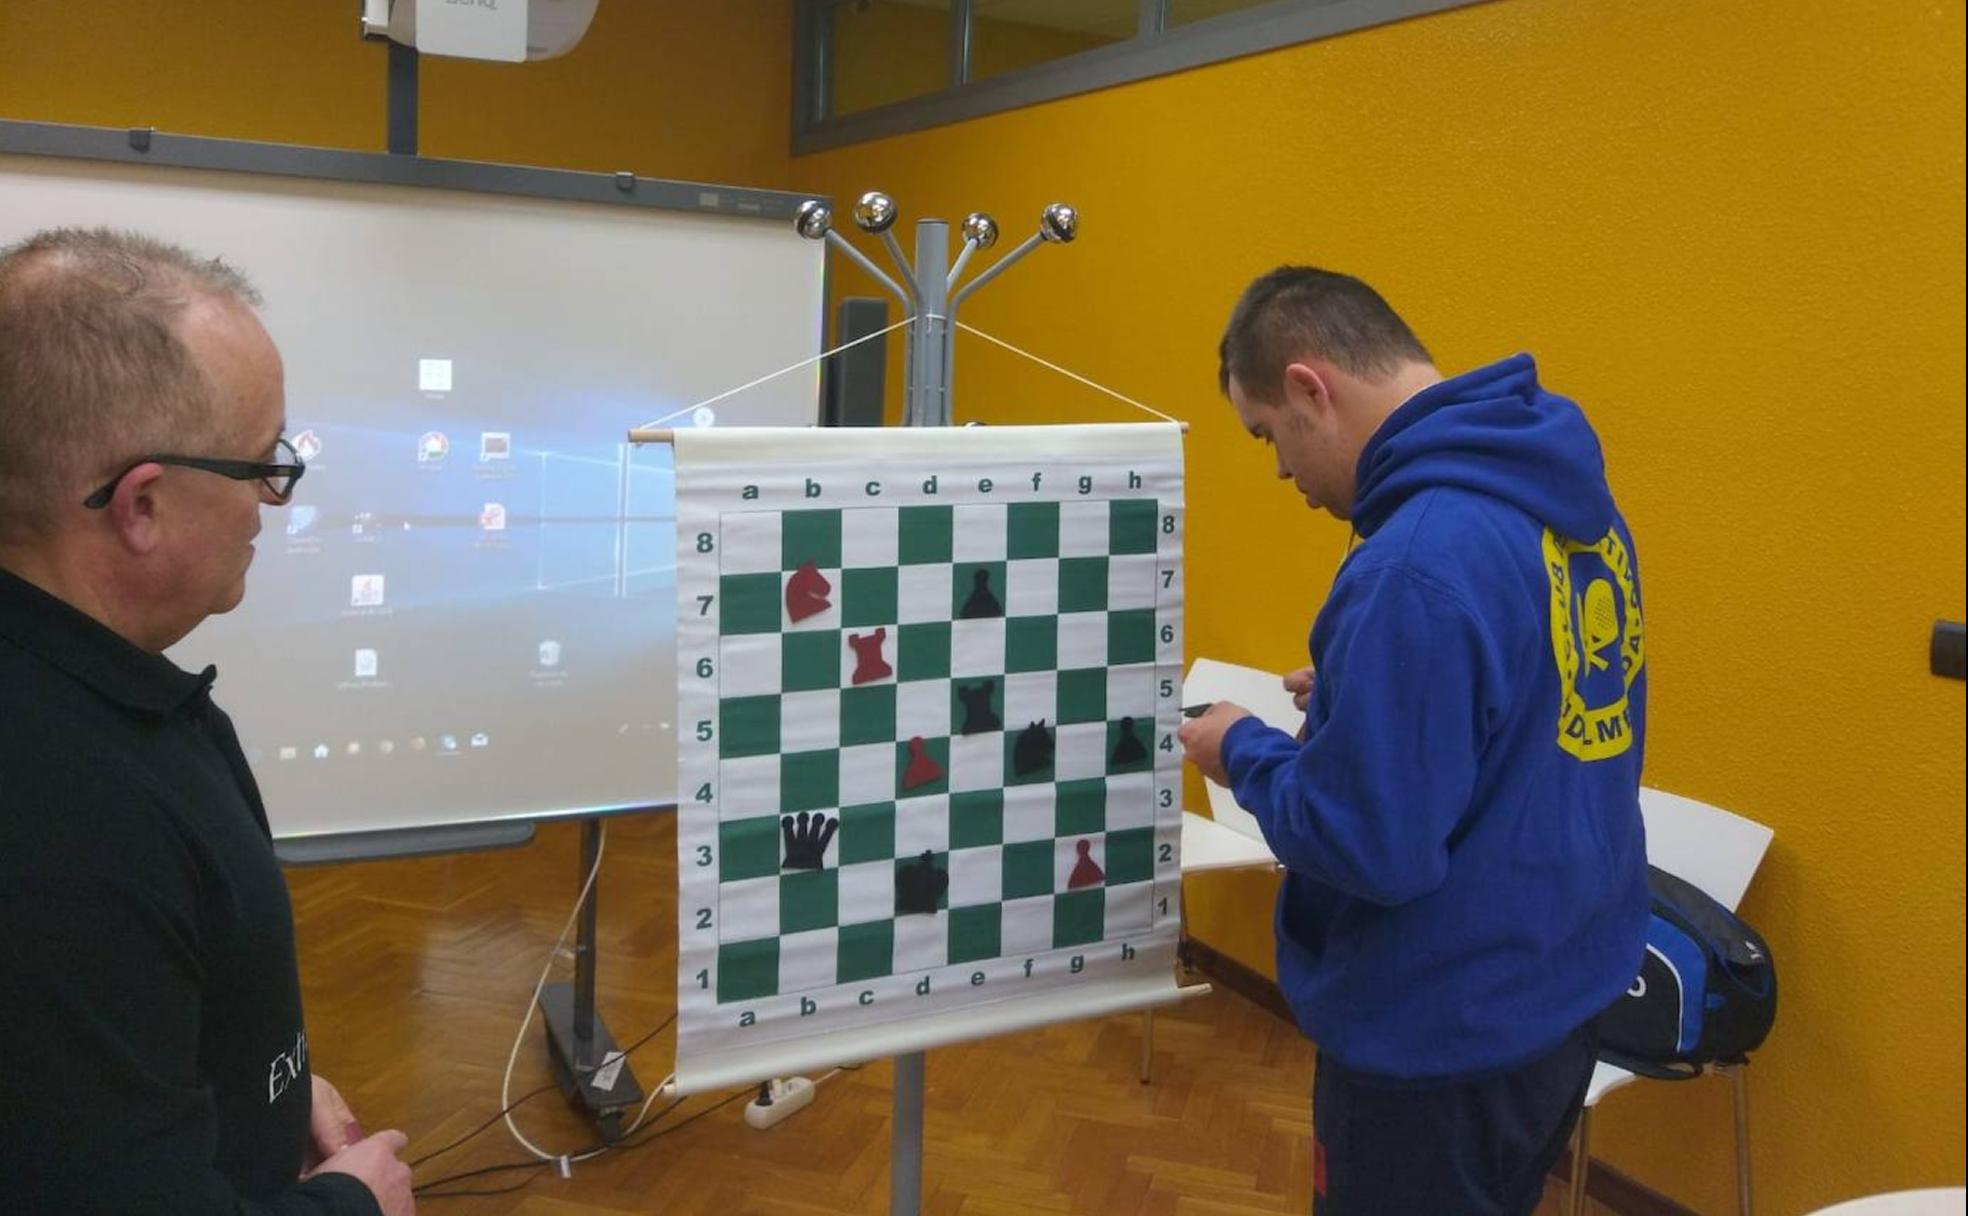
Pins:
<point x="1033" y="751"/>
<point x="919" y="886"/>
<point x="807" y="837"/>
<point x="978" y="714"/>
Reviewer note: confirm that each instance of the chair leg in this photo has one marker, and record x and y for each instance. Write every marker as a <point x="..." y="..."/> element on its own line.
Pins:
<point x="1147" y="1042"/>
<point x="1739" y="1080"/>
<point x="1581" y="1162"/>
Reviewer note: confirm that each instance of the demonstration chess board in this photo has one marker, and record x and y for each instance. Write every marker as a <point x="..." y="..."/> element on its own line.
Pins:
<point x="927" y="739"/>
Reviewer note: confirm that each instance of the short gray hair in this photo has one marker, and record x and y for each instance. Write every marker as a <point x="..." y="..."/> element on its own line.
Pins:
<point x="92" y="370"/>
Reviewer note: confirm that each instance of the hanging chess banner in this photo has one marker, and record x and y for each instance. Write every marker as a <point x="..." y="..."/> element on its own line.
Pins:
<point x="928" y="683"/>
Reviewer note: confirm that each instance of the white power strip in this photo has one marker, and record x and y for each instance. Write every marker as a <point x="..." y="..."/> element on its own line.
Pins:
<point x="787" y="1096"/>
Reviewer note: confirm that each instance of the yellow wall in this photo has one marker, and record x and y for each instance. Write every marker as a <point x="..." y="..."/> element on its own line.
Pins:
<point x="1738" y="240"/>
<point x="666" y="88"/>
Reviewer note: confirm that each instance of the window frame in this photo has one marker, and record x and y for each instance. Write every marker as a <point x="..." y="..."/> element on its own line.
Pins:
<point x="1155" y="49"/>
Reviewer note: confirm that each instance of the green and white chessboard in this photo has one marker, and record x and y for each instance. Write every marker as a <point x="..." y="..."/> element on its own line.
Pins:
<point x="926" y="736"/>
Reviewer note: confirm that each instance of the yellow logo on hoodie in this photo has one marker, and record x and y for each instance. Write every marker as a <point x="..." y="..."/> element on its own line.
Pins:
<point x="1597" y="637"/>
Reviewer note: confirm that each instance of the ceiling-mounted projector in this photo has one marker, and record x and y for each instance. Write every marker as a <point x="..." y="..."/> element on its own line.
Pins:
<point x="508" y="30"/>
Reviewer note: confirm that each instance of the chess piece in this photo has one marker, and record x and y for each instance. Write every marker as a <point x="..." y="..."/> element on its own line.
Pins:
<point x="869" y="665"/>
<point x="982" y="603"/>
<point x="1086" y="873"/>
<point x="1033" y="751"/>
<point x="919" y="886"/>
<point x="1127" y="748"/>
<point x="807" y="837"/>
<point x="806" y="593"/>
<point x="978" y="714"/>
<point x="922" y="768"/>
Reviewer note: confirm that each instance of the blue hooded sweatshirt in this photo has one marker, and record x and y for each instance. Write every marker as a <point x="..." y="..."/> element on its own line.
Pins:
<point x="1461" y="823"/>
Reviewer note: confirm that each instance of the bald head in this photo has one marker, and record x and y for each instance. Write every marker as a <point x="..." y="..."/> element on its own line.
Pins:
<point x="100" y="363"/>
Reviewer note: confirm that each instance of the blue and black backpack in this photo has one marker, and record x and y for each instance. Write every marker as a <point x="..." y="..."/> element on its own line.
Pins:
<point x="1706" y="992"/>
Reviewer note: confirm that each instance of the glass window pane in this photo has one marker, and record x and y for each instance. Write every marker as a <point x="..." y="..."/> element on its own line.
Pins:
<point x="888" y="50"/>
<point x="1183" y="12"/>
<point x="1009" y="34"/>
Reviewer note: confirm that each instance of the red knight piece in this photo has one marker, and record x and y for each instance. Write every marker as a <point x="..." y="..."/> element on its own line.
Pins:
<point x="806" y="592"/>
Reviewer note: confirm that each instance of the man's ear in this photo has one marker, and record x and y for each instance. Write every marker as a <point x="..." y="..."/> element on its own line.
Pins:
<point x="133" y="510"/>
<point x="1306" y="389"/>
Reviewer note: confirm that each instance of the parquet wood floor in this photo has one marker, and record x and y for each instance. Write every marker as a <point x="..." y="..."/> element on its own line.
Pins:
<point x="416" y="974"/>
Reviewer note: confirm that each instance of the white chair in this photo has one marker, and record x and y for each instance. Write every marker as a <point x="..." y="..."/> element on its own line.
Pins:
<point x="1942" y="1201"/>
<point x="1717" y="852"/>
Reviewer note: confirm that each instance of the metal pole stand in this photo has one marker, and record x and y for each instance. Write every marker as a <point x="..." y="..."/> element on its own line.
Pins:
<point x="929" y="295"/>
<point x="580" y="1051"/>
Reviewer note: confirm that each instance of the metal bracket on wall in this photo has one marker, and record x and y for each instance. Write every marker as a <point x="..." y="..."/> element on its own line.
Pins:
<point x="1947" y="651"/>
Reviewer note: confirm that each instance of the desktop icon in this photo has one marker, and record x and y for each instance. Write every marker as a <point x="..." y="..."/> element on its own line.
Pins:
<point x="432" y="446"/>
<point x="481" y="739"/>
<point x="290" y="753"/>
<point x="365" y="664"/>
<point x="550" y="653"/>
<point x="307" y="445"/>
<point x="492" y="517"/>
<point x="434" y="375"/>
<point x="495" y="445"/>
<point x="301" y="517"/>
<point x="447" y="743"/>
<point x="366" y="591"/>
<point x="321" y="751"/>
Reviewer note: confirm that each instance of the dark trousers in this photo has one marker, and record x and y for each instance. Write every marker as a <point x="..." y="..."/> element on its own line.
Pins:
<point x="1474" y="1148"/>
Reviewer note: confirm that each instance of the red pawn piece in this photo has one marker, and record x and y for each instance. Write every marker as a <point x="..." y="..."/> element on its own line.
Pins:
<point x="869" y="665"/>
<point x="806" y="592"/>
<point x="923" y="767"/>
<point x="1085" y="872"/>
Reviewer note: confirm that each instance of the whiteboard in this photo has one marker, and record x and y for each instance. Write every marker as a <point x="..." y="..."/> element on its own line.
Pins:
<point x="466" y="616"/>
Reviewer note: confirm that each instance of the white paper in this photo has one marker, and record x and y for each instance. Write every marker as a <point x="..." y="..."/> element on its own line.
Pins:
<point x="1261" y="692"/>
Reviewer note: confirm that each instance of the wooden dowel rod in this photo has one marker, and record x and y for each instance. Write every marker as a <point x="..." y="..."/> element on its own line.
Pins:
<point x="665" y="434"/>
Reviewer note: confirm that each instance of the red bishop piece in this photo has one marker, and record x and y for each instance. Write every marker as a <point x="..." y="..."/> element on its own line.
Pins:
<point x="806" y="592"/>
<point x="1085" y="872"/>
<point x="923" y="768"/>
<point x="869" y="665"/>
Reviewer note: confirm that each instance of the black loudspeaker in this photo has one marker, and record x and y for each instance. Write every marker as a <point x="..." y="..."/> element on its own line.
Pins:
<point x="853" y="382"/>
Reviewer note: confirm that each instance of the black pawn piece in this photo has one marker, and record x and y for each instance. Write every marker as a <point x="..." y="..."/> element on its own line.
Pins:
<point x="982" y="603"/>
<point x="1128" y="748"/>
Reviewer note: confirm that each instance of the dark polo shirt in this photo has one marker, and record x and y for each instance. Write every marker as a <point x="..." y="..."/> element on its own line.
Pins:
<point x="152" y="1053"/>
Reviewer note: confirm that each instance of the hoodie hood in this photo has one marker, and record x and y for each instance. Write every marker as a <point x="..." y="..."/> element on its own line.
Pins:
<point x="1493" y="431"/>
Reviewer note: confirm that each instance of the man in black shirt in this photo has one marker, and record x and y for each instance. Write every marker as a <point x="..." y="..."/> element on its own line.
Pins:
<point x="153" y="1057"/>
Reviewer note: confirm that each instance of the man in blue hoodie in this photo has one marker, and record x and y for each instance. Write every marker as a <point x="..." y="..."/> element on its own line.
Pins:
<point x="1459" y="818"/>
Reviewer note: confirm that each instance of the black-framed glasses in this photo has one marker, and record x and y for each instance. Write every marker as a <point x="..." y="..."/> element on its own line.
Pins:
<point x="279" y="477"/>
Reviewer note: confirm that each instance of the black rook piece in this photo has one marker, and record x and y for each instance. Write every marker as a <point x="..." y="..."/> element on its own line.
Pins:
<point x="978" y="714"/>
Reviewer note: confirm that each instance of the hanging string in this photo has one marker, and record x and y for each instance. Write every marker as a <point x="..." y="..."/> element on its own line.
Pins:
<point x="733" y="392"/>
<point x="1070" y="375"/>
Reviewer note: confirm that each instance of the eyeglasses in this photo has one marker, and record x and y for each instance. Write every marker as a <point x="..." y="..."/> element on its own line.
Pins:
<point x="278" y="477"/>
